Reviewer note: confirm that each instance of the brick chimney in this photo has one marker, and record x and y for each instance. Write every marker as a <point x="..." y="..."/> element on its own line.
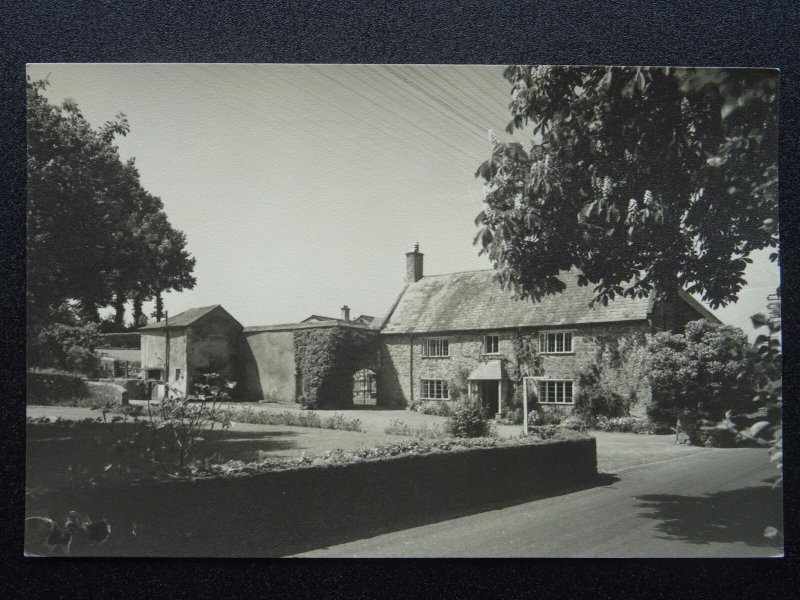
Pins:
<point x="414" y="265"/>
<point x="346" y="313"/>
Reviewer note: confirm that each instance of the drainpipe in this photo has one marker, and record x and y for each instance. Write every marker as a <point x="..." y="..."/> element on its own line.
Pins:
<point x="411" y="364"/>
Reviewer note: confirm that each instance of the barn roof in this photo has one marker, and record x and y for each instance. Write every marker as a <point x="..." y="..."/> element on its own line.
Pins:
<point x="187" y="317"/>
<point x="473" y="300"/>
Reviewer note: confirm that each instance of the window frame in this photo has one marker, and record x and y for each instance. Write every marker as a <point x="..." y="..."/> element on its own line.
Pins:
<point x="554" y="382"/>
<point x="486" y="338"/>
<point x="424" y="389"/>
<point x="443" y="343"/>
<point x="557" y="332"/>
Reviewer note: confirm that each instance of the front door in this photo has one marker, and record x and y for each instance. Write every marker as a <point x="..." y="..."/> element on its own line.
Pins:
<point x="490" y="396"/>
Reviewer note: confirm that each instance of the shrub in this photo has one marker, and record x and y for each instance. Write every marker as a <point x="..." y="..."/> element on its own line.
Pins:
<point x="625" y="425"/>
<point x="511" y="416"/>
<point x="292" y="419"/>
<point x="49" y="386"/>
<point x="467" y="421"/>
<point x="544" y="432"/>
<point x="543" y="417"/>
<point x="699" y="374"/>
<point x="423" y="431"/>
<point x="437" y="408"/>
<point x="575" y="422"/>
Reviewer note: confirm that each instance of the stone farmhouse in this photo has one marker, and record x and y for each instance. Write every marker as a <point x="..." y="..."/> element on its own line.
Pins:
<point x="445" y="337"/>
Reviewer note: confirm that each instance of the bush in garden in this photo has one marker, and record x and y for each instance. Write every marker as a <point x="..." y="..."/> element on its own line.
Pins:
<point x="511" y="416"/>
<point x="625" y="425"/>
<point x="575" y="423"/>
<point x="468" y="421"/>
<point x="699" y="374"/>
<point x="543" y="417"/>
<point x="437" y="408"/>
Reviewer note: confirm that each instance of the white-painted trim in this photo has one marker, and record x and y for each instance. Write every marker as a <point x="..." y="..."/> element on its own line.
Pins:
<point x="541" y="332"/>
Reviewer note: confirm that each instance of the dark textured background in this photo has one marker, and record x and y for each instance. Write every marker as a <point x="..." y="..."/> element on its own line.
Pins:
<point x="686" y="32"/>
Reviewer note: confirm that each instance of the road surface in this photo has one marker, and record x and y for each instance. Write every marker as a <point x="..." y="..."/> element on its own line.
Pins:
<point x="707" y="504"/>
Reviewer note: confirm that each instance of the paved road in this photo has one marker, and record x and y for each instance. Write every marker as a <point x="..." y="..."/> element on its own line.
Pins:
<point x="706" y="504"/>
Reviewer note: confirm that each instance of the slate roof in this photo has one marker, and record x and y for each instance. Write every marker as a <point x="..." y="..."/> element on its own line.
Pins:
<point x="473" y="300"/>
<point x="185" y="318"/>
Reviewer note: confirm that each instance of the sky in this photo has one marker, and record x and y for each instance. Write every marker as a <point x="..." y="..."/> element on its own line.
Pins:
<point x="301" y="187"/>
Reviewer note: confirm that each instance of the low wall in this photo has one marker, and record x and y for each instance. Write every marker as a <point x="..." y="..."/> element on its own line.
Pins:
<point x="136" y="388"/>
<point x="289" y="511"/>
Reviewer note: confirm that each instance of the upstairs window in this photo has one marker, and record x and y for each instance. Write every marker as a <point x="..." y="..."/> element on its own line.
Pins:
<point x="434" y="389"/>
<point x="432" y="347"/>
<point x="555" y="342"/>
<point x="553" y="391"/>
<point x="491" y="344"/>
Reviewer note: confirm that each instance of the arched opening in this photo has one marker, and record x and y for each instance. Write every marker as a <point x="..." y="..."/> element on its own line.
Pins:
<point x="365" y="388"/>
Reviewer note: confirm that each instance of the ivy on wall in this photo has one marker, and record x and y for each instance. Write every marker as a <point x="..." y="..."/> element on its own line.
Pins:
<point x="327" y="358"/>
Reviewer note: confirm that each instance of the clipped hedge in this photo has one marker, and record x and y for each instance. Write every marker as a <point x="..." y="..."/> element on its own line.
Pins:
<point x="49" y="386"/>
<point x="311" y="505"/>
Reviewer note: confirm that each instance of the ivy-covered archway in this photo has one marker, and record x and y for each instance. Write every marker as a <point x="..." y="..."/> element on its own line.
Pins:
<point x="326" y="359"/>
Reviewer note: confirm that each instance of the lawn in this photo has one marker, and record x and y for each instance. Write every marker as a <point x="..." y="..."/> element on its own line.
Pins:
<point x="53" y="451"/>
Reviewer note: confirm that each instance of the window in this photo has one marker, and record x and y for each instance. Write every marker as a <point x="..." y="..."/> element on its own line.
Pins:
<point x="555" y="342"/>
<point x="154" y="374"/>
<point x="436" y="347"/>
<point x="491" y="344"/>
<point x="434" y="389"/>
<point x="552" y="391"/>
<point x="177" y="374"/>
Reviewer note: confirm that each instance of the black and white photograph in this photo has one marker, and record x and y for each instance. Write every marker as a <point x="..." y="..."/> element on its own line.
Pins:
<point x="402" y="311"/>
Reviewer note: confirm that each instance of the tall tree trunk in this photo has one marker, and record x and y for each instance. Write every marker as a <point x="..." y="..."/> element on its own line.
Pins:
<point x="137" y="311"/>
<point x="119" y="310"/>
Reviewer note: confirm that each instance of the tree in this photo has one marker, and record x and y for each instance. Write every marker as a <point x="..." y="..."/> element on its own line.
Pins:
<point x="641" y="178"/>
<point x="698" y="374"/>
<point x="96" y="237"/>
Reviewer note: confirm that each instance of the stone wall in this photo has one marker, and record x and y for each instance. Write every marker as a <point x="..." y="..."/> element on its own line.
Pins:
<point x="618" y="348"/>
<point x="267" y="369"/>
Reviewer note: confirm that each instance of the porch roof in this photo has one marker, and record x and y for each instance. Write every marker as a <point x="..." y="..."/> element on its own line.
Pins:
<point x="488" y="371"/>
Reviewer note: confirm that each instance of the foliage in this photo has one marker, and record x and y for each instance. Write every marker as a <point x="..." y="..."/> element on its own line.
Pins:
<point x="527" y="361"/>
<point x="95" y="236"/>
<point x="511" y="416"/>
<point x="544" y="417"/>
<point x="596" y="398"/>
<point x="576" y="423"/>
<point x="458" y="384"/>
<point x="761" y="421"/>
<point x="437" y="408"/>
<point x="326" y="359"/>
<point x="66" y="346"/>
<point x="306" y="419"/>
<point x="545" y="432"/>
<point x="467" y="421"/>
<point x="424" y="431"/>
<point x="642" y="178"/>
<point x="625" y="425"/>
<point x="699" y="373"/>
<point x="50" y="386"/>
<point x="169" y="436"/>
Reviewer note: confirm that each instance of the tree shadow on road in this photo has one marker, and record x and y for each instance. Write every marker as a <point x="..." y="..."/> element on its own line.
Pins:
<point x="723" y="517"/>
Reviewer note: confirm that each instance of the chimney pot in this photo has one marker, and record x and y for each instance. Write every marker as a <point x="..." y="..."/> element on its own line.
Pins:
<point x="414" y="265"/>
<point x="346" y="313"/>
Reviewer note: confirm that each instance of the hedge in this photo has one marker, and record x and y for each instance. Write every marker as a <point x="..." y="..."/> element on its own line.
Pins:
<point x="106" y="392"/>
<point x="48" y="386"/>
<point x="291" y="510"/>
